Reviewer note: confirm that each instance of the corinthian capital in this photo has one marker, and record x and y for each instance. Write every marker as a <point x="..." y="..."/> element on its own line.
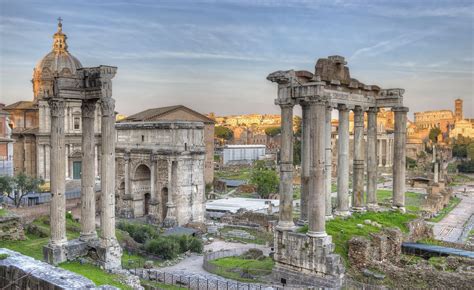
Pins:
<point x="108" y="107"/>
<point x="56" y="107"/>
<point x="88" y="108"/>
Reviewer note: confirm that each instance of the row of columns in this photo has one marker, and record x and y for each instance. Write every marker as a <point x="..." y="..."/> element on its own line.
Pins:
<point x="316" y="155"/>
<point x="58" y="171"/>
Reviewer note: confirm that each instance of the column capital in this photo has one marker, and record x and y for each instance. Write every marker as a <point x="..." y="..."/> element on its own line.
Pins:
<point x="284" y="104"/>
<point x="373" y="110"/>
<point x="108" y="107"/>
<point x="400" y="109"/>
<point x="57" y="107"/>
<point x="88" y="108"/>
<point x="342" y="107"/>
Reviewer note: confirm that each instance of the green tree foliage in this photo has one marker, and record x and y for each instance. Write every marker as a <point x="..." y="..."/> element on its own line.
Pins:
<point x="19" y="186"/>
<point x="266" y="181"/>
<point x="297" y="121"/>
<point x="411" y="163"/>
<point x="140" y="233"/>
<point x="466" y="166"/>
<point x="272" y="131"/>
<point x="434" y="133"/>
<point x="470" y="151"/>
<point x="168" y="247"/>
<point x="223" y="133"/>
<point x="461" y="146"/>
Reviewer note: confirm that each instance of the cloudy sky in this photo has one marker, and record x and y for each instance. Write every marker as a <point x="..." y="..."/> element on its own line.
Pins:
<point x="214" y="56"/>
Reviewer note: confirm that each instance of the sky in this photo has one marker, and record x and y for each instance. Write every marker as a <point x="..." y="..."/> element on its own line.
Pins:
<point x="214" y="56"/>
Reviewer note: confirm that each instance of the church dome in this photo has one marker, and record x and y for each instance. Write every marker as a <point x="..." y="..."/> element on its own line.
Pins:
<point x="58" y="62"/>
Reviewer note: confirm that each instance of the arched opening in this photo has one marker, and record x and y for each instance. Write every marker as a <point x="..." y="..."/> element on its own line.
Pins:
<point x="141" y="184"/>
<point x="164" y="201"/>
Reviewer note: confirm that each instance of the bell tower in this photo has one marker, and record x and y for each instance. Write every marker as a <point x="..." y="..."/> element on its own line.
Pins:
<point x="458" y="114"/>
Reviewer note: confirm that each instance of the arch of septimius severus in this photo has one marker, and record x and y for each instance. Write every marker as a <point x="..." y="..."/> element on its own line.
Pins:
<point x="309" y="258"/>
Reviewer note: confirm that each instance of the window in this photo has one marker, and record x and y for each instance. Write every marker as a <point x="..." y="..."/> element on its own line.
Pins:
<point x="77" y="123"/>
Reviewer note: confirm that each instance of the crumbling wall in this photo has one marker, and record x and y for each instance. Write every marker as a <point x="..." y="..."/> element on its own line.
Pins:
<point x="251" y="219"/>
<point x="11" y="228"/>
<point x="418" y="229"/>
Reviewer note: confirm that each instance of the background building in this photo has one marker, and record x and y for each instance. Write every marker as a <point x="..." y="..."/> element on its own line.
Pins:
<point x="6" y="143"/>
<point x="242" y="154"/>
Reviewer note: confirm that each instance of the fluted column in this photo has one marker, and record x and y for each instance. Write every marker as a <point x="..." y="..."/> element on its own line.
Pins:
<point x="317" y="198"/>
<point x="358" y="167"/>
<point x="88" y="172"/>
<point x="388" y="152"/>
<point x="343" y="162"/>
<point x="372" y="156"/>
<point x="305" y="161"/>
<point x="399" y="160"/>
<point x="57" y="180"/>
<point x="328" y="162"/>
<point x="107" y="218"/>
<point x="285" y="221"/>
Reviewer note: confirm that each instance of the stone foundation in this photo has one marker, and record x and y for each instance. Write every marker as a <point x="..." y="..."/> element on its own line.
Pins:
<point x="305" y="260"/>
<point x="11" y="228"/>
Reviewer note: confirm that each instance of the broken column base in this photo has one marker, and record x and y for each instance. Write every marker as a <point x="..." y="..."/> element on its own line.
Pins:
<point x="304" y="260"/>
<point x="54" y="254"/>
<point x="110" y="254"/>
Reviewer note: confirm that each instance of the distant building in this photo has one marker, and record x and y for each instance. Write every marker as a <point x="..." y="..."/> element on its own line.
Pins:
<point x="6" y="143"/>
<point x="241" y="154"/>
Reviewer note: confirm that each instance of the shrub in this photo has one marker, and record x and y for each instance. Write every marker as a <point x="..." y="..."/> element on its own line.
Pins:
<point x="3" y="256"/>
<point x="196" y="245"/>
<point x="140" y="233"/>
<point x="164" y="247"/>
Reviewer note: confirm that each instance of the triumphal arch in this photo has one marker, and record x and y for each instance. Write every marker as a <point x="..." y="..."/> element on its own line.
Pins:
<point x="309" y="258"/>
<point x="92" y="86"/>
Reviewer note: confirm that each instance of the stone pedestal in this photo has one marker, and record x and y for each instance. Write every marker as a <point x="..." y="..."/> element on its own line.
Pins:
<point x="110" y="254"/>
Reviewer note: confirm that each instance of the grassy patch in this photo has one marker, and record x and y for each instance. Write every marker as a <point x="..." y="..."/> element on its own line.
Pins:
<point x="342" y="230"/>
<point x="237" y="174"/>
<point x="447" y="209"/>
<point x="3" y="256"/>
<point x="3" y="212"/>
<point x="432" y="242"/>
<point x="413" y="200"/>
<point x="231" y="267"/>
<point x="95" y="274"/>
<point x="261" y="237"/>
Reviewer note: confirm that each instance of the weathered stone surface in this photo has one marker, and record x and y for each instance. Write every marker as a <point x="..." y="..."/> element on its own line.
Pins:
<point x="11" y="228"/>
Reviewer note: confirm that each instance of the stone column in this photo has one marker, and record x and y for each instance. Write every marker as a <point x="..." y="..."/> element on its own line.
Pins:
<point x="126" y="157"/>
<point x="388" y="152"/>
<point x="54" y="252"/>
<point x="111" y="251"/>
<point x="343" y="162"/>
<point x="305" y="161"/>
<point x="88" y="172"/>
<point x="380" y="152"/>
<point x="317" y="198"/>
<point x="399" y="158"/>
<point x="372" y="157"/>
<point x="358" y="167"/>
<point x="328" y="162"/>
<point x="285" y="221"/>
<point x="66" y="160"/>
<point x="170" y="219"/>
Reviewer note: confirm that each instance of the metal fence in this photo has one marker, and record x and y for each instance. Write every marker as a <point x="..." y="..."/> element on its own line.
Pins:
<point x="36" y="198"/>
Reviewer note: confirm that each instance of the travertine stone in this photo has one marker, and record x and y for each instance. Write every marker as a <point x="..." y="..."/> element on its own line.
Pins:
<point x="358" y="167"/>
<point x="317" y="198"/>
<point x="54" y="252"/>
<point x="328" y="162"/>
<point x="305" y="162"/>
<point x="343" y="162"/>
<point x="170" y="219"/>
<point x="88" y="172"/>
<point x="286" y="168"/>
<point x="399" y="158"/>
<point x="372" y="156"/>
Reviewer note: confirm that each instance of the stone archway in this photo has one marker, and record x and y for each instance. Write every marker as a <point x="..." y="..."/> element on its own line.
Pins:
<point x="164" y="201"/>
<point x="141" y="185"/>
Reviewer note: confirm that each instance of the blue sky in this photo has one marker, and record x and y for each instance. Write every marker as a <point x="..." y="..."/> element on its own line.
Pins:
<point x="214" y="56"/>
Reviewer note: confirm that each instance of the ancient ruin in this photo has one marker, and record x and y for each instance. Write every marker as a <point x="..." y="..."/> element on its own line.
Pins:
<point x="309" y="259"/>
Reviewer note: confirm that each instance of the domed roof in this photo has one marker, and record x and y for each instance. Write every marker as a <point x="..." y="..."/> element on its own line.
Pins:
<point x="59" y="60"/>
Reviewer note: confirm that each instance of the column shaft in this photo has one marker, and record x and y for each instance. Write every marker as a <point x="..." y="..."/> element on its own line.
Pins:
<point x="358" y="167"/>
<point x="380" y="152"/>
<point x="399" y="160"/>
<point x="372" y="156"/>
<point x="317" y="198"/>
<point x="88" y="172"/>
<point x="328" y="162"/>
<point x="58" y="172"/>
<point x="343" y="162"/>
<point x="107" y="217"/>
<point x="286" y="168"/>
<point x="305" y="161"/>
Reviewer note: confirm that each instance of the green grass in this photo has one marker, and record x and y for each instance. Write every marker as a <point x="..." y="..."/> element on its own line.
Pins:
<point x="240" y="174"/>
<point x="3" y="212"/>
<point x="447" y="209"/>
<point x="95" y="274"/>
<point x="431" y="242"/>
<point x="413" y="200"/>
<point x="261" y="237"/>
<point x="231" y="267"/>
<point x="342" y="230"/>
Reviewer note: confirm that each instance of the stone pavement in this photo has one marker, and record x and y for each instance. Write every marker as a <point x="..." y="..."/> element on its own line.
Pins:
<point x="451" y="227"/>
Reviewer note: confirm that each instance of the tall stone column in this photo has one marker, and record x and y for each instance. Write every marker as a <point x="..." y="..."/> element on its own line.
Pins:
<point x="317" y="198"/>
<point x="388" y="153"/>
<point x="343" y="162"/>
<point x="88" y="172"/>
<point x="54" y="252"/>
<point x="399" y="160"/>
<point x="328" y="162"/>
<point x="372" y="157"/>
<point x="170" y="219"/>
<point x="111" y="251"/>
<point x="285" y="221"/>
<point x="358" y="167"/>
<point x="380" y="152"/>
<point x="305" y="161"/>
<point x="126" y="157"/>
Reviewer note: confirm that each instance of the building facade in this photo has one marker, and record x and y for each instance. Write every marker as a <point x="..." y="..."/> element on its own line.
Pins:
<point x="6" y="143"/>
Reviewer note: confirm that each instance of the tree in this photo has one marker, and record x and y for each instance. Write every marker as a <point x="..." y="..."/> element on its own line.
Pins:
<point x="223" y="133"/>
<point x="266" y="181"/>
<point x="272" y="131"/>
<point x="434" y="133"/>
<point x="470" y="151"/>
<point x="296" y="152"/>
<point x="15" y="188"/>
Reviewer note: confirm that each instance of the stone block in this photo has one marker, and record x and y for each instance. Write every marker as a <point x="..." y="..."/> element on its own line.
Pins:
<point x="54" y="254"/>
